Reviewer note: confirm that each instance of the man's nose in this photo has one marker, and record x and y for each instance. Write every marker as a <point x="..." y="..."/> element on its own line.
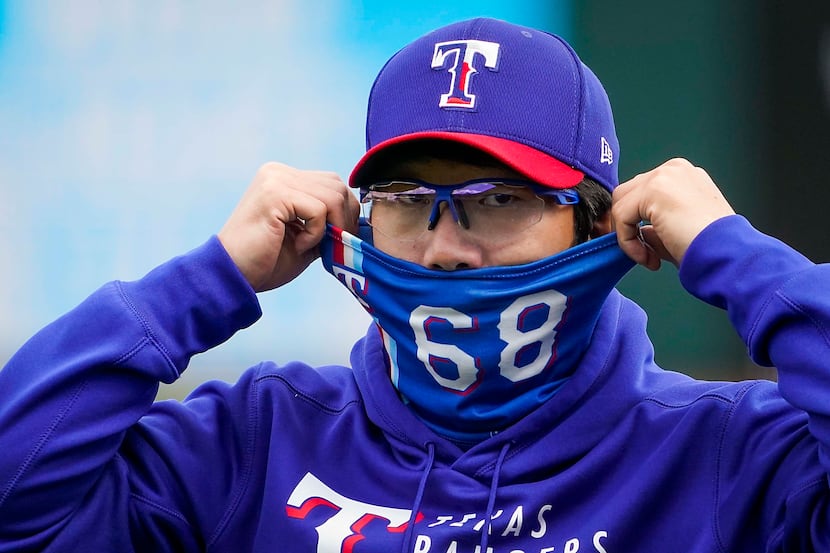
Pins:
<point x="450" y="247"/>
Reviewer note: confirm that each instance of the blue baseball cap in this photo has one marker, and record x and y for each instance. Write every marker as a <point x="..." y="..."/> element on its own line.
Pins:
<point x="518" y="94"/>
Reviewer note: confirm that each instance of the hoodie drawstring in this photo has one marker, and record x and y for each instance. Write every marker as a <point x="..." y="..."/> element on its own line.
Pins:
<point x="409" y="536"/>
<point x="491" y="501"/>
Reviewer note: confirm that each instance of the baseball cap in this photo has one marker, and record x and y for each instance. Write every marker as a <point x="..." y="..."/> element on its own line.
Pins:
<point x="518" y="94"/>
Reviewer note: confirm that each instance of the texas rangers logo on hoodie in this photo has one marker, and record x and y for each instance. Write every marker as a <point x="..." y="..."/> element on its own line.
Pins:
<point x="458" y="57"/>
<point x="347" y="525"/>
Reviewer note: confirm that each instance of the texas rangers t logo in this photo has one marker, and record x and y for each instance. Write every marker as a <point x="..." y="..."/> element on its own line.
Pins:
<point x="462" y="54"/>
<point x="343" y="528"/>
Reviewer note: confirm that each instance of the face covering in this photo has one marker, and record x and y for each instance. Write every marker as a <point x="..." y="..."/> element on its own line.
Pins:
<point x="473" y="351"/>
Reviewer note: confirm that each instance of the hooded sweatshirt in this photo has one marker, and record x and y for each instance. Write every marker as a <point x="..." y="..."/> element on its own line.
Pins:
<point x="625" y="457"/>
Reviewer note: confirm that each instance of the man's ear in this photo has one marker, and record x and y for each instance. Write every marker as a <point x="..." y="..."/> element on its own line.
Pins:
<point x="602" y="225"/>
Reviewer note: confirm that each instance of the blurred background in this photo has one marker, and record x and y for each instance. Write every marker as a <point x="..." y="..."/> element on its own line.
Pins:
<point x="128" y="131"/>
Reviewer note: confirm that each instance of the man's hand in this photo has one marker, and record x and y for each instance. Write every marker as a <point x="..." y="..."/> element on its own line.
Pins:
<point x="677" y="200"/>
<point x="273" y="233"/>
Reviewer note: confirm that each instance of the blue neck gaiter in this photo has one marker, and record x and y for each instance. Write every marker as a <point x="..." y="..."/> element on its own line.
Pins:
<point x="473" y="351"/>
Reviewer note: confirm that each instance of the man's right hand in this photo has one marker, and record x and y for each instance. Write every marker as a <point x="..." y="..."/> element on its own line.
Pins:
<point x="273" y="233"/>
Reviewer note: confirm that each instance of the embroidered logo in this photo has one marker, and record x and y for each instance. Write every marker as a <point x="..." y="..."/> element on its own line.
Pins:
<point x="606" y="154"/>
<point x="458" y="57"/>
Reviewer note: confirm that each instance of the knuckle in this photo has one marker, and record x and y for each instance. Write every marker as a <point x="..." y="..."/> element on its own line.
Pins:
<point x="617" y="211"/>
<point x="679" y="162"/>
<point x="272" y="169"/>
<point x="270" y="166"/>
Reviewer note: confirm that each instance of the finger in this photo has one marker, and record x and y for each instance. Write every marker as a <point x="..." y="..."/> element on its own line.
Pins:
<point x="625" y="214"/>
<point x="639" y="250"/>
<point x="308" y="221"/>
<point x="628" y="187"/>
<point x="352" y="214"/>
<point x="343" y="208"/>
<point x="651" y="240"/>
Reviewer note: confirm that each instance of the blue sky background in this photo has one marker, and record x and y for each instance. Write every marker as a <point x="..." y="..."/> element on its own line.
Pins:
<point x="128" y="131"/>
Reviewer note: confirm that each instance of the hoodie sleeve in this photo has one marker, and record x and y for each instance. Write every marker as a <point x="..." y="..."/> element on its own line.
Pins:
<point x="73" y="394"/>
<point x="775" y="456"/>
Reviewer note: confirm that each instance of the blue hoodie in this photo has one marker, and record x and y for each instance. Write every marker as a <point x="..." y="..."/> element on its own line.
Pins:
<point x="625" y="457"/>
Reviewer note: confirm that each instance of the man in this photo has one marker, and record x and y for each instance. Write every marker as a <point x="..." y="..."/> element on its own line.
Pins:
<point x="505" y="398"/>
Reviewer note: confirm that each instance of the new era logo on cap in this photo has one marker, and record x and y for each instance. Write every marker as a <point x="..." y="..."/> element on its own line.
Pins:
<point x="606" y="153"/>
<point x="518" y="94"/>
<point x="459" y="58"/>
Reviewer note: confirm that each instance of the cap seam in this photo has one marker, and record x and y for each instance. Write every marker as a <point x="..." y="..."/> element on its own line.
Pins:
<point x="369" y="102"/>
<point x="475" y="31"/>
<point x="579" y="117"/>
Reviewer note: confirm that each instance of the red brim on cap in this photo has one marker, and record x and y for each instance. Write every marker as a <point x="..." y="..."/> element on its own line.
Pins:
<point x="530" y="162"/>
